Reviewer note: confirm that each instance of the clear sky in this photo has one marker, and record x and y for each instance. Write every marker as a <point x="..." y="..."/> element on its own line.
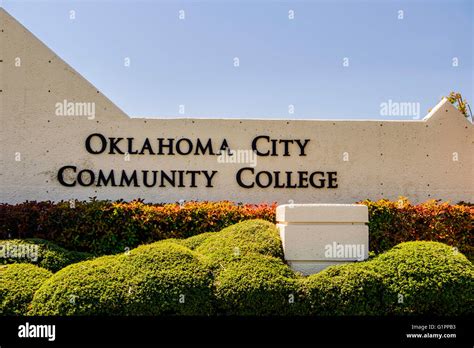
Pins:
<point x="400" y="56"/>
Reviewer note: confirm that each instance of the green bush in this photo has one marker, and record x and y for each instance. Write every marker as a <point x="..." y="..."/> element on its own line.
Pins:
<point x="194" y="241"/>
<point x="257" y="285"/>
<point x="18" y="283"/>
<point x="162" y="278"/>
<point x="241" y="271"/>
<point x="40" y="252"/>
<point x="426" y="278"/>
<point x="351" y="289"/>
<point x="412" y="278"/>
<point x="253" y="236"/>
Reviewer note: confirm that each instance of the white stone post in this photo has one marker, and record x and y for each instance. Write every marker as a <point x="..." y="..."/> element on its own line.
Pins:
<point x="316" y="236"/>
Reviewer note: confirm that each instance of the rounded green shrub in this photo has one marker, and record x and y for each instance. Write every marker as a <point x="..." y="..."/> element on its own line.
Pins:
<point x="18" y="283"/>
<point x="240" y="271"/>
<point x="194" y="241"/>
<point x="252" y="236"/>
<point x="351" y="289"/>
<point x="162" y="278"/>
<point x="426" y="278"/>
<point x="257" y="285"/>
<point x="39" y="252"/>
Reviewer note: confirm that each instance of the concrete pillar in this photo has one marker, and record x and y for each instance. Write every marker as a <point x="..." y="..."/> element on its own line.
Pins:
<point x="316" y="236"/>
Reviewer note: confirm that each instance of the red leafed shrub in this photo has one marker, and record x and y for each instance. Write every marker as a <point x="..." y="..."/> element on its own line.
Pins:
<point x="394" y="222"/>
<point x="104" y="227"/>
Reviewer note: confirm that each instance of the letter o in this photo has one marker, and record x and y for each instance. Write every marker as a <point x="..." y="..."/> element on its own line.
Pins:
<point x="258" y="181"/>
<point x="102" y="140"/>
<point x="91" y="177"/>
<point x="178" y="146"/>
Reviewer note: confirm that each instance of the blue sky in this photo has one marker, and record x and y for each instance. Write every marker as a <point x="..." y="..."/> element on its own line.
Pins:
<point x="282" y="61"/>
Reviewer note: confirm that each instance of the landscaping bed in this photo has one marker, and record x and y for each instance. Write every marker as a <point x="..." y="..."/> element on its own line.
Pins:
<point x="239" y="270"/>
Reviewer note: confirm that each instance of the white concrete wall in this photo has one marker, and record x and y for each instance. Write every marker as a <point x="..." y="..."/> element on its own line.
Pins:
<point x="386" y="158"/>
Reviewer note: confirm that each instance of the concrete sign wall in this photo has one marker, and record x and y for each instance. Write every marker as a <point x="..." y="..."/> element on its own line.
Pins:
<point x="62" y="139"/>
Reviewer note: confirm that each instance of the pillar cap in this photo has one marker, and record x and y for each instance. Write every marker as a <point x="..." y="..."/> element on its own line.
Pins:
<point x="321" y="213"/>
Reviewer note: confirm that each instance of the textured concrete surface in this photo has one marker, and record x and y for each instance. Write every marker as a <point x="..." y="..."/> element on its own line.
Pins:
<point x="429" y="158"/>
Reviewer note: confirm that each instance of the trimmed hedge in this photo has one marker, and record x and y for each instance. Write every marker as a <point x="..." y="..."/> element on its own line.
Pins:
<point x="351" y="289"/>
<point x="241" y="271"/>
<point x="248" y="237"/>
<point x="394" y="222"/>
<point x="257" y="285"/>
<point x="426" y="278"/>
<point x="413" y="278"/>
<point x="157" y="279"/>
<point x="98" y="286"/>
<point x="18" y="283"/>
<point x="40" y="252"/>
<point x="105" y="227"/>
<point x="194" y="241"/>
